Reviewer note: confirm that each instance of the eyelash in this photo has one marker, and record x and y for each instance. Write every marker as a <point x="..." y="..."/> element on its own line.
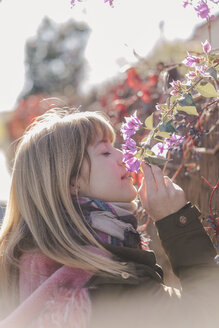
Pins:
<point x="106" y="153"/>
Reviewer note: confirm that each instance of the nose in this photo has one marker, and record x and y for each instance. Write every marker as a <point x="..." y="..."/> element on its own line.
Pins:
<point x="119" y="154"/>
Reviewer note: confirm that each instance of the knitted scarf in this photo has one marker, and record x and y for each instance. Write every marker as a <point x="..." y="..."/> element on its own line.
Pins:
<point x="110" y="222"/>
<point x="53" y="295"/>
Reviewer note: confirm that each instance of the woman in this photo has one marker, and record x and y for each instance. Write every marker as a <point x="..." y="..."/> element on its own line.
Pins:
<point x="70" y="252"/>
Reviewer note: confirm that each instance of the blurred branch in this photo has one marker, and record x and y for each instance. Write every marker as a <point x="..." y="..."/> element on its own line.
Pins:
<point x="208" y="151"/>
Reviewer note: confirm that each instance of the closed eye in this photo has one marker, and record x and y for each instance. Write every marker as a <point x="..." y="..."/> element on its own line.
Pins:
<point x="106" y="153"/>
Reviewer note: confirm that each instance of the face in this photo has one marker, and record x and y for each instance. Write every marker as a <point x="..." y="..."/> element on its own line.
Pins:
<point x="109" y="179"/>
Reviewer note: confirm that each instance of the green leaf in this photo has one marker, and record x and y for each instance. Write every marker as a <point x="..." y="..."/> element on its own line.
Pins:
<point x="156" y="160"/>
<point x="139" y="153"/>
<point x="187" y="105"/>
<point x="162" y="134"/>
<point x="174" y="98"/>
<point x="164" y="106"/>
<point x="149" y="122"/>
<point x="212" y="57"/>
<point x="144" y="139"/>
<point x="206" y="89"/>
<point x="186" y="100"/>
<point x="190" y="110"/>
<point x="149" y="152"/>
<point x="211" y="72"/>
<point x="167" y="119"/>
<point x="167" y="126"/>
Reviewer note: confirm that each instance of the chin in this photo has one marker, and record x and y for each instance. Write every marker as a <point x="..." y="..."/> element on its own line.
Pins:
<point x="123" y="197"/>
<point x="131" y="195"/>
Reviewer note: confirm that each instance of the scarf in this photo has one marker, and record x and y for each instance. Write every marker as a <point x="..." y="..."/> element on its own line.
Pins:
<point x="52" y="295"/>
<point x="112" y="223"/>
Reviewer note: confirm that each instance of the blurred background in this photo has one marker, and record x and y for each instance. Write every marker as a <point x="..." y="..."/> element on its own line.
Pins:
<point x="91" y="56"/>
<point x="96" y="57"/>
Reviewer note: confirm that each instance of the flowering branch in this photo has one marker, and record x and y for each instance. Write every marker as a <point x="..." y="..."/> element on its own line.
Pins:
<point x="199" y="81"/>
<point x="202" y="7"/>
<point x="203" y="10"/>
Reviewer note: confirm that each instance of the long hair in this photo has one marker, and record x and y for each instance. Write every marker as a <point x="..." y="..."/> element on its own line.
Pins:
<point x="40" y="213"/>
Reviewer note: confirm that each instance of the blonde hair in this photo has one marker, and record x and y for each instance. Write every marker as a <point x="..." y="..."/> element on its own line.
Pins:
<point x="40" y="208"/>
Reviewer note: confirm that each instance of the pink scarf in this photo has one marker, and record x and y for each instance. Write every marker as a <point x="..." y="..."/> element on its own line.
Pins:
<point x="51" y="295"/>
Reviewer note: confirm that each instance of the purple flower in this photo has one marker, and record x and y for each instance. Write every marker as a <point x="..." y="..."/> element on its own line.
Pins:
<point x="134" y="120"/>
<point x="202" y="9"/>
<point x="132" y="164"/>
<point x="206" y="47"/>
<point x="176" y="85"/>
<point x="174" y="140"/>
<point x="131" y="126"/>
<point x="130" y="144"/>
<point x="110" y="2"/>
<point x="158" y="107"/>
<point x="201" y="69"/>
<point x="185" y="4"/>
<point x="191" y="75"/>
<point x="73" y="2"/>
<point x="174" y="92"/>
<point x="127" y="155"/>
<point x="160" y="149"/>
<point x="191" y="60"/>
<point x="127" y="131"/>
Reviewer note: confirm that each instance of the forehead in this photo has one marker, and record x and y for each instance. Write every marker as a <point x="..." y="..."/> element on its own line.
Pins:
<point x="100" y="134"/>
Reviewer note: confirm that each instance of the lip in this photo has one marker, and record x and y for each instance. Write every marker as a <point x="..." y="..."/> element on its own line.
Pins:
<point x="126" y="176"/>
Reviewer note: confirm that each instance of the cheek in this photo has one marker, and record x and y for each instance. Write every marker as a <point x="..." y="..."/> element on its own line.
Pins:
<point x="104" y="179"/>
<point x="105" y="172"/>
<point x="104" y="169"/>
<point x="83" y="179"/>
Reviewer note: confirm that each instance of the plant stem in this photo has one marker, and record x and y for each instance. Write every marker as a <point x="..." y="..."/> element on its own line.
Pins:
<point x="165" y="165"/>
<point x="192" y="86"/>
<point x="177" y="172"/>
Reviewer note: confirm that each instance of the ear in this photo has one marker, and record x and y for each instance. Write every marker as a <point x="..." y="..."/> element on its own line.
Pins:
<point x="74" y="188"/>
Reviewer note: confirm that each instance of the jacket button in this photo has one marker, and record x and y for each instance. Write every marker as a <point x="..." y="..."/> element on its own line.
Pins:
<point x="125" y="275"/>
<point x="183" y="219"/>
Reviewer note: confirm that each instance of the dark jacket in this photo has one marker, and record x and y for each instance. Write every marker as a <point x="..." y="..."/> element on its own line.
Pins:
<point x="52" y="295"/>
<point x="142" y="300"/>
